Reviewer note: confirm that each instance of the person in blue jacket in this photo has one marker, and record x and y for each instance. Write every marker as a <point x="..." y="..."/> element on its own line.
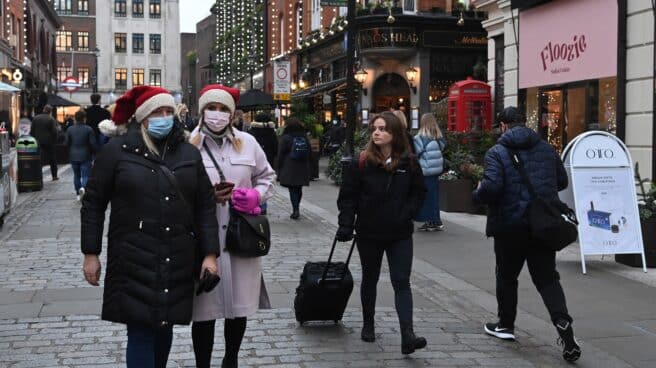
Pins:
<point x="429" y="145"/>
<point x="507" y="198"/>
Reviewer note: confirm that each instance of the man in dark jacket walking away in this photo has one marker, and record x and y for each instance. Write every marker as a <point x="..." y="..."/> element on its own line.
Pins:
<point x="81" y="142"/>
<point x="44" y="129"/>
<point x="96" y="114"/>
<point x="294" y="163"/>
<point x="263" y="131"/>
<point x="502" y="189"/>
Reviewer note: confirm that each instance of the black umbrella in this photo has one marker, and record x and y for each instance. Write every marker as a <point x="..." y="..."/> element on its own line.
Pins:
<point x="254" y="98"/>
<point x="54" y="101"/>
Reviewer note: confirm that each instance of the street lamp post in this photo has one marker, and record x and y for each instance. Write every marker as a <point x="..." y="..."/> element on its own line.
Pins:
<point x="96" y="53"/>
<point x="351" y="99"/>
<point x="251" y="64"/>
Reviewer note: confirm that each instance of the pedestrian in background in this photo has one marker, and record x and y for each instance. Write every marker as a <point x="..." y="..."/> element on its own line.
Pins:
<point x="404" y="121"/>
<point x="81" y="142"/>
<point x="502" y="189"/>
<point x="294" y="163"/>
<point x="238" y="120"/>
<point x="380" y="195"/>
<point x="182" y="116"/>
<point x="45" y="129"/>
<point x="162" y="219"/>
<point x="243" y="178"/>
<point x="263" y="131"/>
<point x="429" y="146"/>
<point x="95" y="115"/>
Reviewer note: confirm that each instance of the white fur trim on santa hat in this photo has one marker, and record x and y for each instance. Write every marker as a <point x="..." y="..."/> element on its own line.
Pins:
<point x="216" y="95"/>
<point x="110" y="129"/>
<point x="152" y="104"/>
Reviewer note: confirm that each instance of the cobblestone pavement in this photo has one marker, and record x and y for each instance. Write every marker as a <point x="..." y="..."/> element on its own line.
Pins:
<point x="49" y="315"/>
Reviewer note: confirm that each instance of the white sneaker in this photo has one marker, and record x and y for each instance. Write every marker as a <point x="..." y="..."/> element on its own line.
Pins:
<point x="81" y="193"/>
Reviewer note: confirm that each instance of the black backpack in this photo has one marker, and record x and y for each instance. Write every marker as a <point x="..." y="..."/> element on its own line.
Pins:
<point x="551" y="222"/>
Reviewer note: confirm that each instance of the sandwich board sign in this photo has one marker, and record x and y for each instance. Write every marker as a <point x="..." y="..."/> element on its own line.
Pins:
<point x="602" y="192"/>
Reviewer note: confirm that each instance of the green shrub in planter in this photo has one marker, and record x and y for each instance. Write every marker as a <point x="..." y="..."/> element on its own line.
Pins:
<point x="334" y="170"/>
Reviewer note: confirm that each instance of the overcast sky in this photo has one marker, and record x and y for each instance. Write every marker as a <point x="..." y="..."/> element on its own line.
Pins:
<point x="192" y="12"/>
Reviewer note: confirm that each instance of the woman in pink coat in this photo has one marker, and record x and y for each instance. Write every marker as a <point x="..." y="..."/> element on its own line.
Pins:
<point x="241" y="291"/>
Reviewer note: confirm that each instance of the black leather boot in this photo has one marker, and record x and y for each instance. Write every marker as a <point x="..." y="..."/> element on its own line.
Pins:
<point x="410" y="342"/>
<point x="295" y="215"/>
<point x="229" y="363"/>
<point x="368" y="332"/>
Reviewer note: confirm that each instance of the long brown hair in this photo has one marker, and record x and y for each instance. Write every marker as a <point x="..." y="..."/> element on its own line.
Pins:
<point x="400" y="146"/>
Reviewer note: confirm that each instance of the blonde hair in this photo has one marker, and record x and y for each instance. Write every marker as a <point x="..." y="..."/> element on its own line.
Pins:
<point x="428" y="127"/>
<point x="195" y="140"/>
<point x="179" y="108"/>
<point x="399" y="114"/>
<point x="147" y="140"/>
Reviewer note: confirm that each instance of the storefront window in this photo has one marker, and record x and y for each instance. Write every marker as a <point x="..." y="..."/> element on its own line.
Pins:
<point x="532" y="108"/>
<point x="552" y="117"/>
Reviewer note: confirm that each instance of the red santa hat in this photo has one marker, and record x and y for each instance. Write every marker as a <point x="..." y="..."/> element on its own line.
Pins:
<point x="141" y="101"/>
<point x="227" y="96"/>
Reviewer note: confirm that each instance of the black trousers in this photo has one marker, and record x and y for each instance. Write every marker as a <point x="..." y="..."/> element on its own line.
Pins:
<point x="399" y="260"/>
<point x="48" y="157"/>
<point x="512" y="251"/>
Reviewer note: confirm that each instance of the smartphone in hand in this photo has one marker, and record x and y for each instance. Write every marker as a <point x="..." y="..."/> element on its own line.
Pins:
<point x="223" y="185"/>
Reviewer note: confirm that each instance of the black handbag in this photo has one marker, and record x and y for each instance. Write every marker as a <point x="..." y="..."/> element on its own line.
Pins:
<point x="551" y="222"/>
<point x="247" y="235"/>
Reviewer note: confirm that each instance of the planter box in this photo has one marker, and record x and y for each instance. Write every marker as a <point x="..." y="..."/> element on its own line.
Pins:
<point x="649" y="241"/>
<point x="456" y="195"/>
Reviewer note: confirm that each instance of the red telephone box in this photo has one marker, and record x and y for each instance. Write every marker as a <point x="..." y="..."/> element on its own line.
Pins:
<point x="470" y="106"/>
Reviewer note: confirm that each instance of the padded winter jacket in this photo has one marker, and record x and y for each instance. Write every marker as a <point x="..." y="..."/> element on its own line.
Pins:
<point x="502" y="188"/>
<point x="381" y="204"/>
<point x="429" y="153"/>
<point x="153" y="239"/>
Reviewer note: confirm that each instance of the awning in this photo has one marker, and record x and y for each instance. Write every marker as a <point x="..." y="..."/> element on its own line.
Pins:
<point x="54" y="101"/>
<point x="320" y="88"/>
<point x="4" y="87"/>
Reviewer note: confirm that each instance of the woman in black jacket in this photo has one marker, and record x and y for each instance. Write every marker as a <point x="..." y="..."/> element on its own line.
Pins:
<point x="379" y="197"/>
<point x="294" y="163"/>
<point x="162" y="217"/>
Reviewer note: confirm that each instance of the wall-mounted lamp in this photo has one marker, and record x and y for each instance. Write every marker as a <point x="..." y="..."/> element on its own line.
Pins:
<point x="361" y="77"/>
<point x="411" y="74"/>
<point x="294" y="86"/>
<point x="302" y="84"/>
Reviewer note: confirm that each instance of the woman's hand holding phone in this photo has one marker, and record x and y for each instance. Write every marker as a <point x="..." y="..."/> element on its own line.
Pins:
<point x="223" y="191"/>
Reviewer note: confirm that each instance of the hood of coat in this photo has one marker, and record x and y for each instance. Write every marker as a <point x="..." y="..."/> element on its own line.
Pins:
<point x="519" y="137"/>
<point x="294" y="130"/>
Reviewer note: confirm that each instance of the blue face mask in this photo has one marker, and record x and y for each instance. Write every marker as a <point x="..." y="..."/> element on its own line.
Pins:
<point x="160" y="127"/>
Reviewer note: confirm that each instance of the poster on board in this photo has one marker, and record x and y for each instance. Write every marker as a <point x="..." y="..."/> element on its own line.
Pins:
<point x="607" y="222"/>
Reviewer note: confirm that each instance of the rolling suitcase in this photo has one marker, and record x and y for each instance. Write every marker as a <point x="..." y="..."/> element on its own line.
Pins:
<point x="324" y="289"/>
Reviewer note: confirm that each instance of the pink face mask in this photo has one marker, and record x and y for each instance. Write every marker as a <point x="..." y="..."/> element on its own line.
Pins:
<point x="216" y="120"/>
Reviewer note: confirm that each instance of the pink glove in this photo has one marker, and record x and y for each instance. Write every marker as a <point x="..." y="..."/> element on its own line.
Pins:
<point x="246" y="201"/>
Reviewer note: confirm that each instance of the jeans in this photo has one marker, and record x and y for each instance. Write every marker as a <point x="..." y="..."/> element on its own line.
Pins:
<point x="48" y="156"/>
<point x="399" y="259"/>
<point x="511" y="252"/>
<point x="295" y="195"/>
<point x="430" y="209"/>
<point x="148" y="347"/>
<point x="81" y="172"/>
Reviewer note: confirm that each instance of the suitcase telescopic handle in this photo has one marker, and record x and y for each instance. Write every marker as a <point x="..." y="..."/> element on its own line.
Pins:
<point x="330" y="258"/>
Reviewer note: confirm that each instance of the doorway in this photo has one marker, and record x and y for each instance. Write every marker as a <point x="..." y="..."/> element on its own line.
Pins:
<point x="390" y="91"/>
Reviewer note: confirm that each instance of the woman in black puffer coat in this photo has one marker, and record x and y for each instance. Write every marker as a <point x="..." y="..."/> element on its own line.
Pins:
<point x="378" y="199"/>
<point x="154" y="234"/>
<point x="294" y="163"/>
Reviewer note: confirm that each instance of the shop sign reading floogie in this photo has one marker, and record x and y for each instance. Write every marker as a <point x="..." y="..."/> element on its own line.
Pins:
<point x="602" y="192"/>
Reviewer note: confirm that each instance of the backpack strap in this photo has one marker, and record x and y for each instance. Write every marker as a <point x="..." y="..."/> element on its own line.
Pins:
<point x="362" y="160"/>
<point x="519" y="166"/>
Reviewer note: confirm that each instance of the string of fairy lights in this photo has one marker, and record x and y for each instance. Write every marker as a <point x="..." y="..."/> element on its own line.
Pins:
<point x="9" y="28"/>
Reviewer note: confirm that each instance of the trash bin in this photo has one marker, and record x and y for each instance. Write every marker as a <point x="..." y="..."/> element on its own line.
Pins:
<point x="30" y="175"/>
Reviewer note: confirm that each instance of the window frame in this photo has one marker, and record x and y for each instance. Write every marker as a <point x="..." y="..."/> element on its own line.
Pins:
<point x="135" y="37"/>
<point x="155" y="5"/>
<point x="155" y="39"/>
<point x="84" y="5"/>
<point x="63" y="72"/>
<point x="138" y="72"/>
<point x="155" y="82"/>
<point x="79" y="38"/>
<point x="66" y="10"/>
<point x="68" y="37"/>
<point x="117" y="36"/>
<point x="83" y="70"/>
<point x="120" y="5"/>
<point x="135" y="4"/>
<point x="118" y="73"/>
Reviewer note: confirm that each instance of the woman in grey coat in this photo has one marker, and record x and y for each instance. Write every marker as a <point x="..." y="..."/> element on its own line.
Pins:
<point x="294" y="162"/>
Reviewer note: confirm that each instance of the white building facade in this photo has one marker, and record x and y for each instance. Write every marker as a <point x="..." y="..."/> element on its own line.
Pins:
<point x="603" y="80"/>
<point x="139" y="42"/>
